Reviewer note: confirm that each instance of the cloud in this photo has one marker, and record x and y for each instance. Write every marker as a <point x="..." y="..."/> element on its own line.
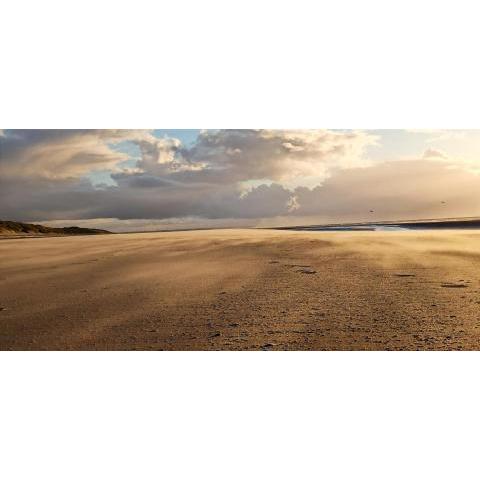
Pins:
<point x="293" y="204"/>
<point x="63" y="154"/>
<point x="432" y="153"/>
<point x="225" y="176"/>
<point x="217" y="156"/>
<point x="278" y="155"/>
<point x="399" y="189"/>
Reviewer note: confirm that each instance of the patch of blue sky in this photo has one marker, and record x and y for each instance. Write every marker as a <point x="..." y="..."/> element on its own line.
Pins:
<point x="186" y="136"/>
<point x="130" y="149"/>
<point x="395" y="145"/>
<point x="392" y="144"/>
<point x="101" y="178"/>
<point x="251" y="184"/>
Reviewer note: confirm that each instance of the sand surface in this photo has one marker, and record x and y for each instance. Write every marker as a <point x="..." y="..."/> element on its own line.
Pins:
<point x="242" y="290"/>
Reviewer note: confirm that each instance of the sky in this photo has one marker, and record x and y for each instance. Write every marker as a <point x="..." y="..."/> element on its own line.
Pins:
<point x="131" y="180"/>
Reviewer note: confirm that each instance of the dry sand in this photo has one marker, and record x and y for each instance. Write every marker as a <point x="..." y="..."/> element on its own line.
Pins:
<point x="242" y="290"/>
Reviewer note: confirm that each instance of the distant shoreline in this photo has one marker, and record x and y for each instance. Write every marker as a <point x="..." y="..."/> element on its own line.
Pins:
<point x="384" y="225"/>
<point x="466" y="223"/>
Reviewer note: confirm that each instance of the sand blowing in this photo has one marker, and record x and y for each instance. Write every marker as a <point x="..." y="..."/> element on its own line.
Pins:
<point x="242" y="290"/>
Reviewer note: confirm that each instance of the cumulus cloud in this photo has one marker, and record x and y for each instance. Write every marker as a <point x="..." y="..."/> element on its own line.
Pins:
<point x="278" y="155"/>
<point x="237" y="154"/>
<point x="224" y="176"/>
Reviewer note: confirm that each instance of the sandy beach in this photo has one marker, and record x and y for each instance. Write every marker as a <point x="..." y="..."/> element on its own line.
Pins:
<point x="242" y="290"/>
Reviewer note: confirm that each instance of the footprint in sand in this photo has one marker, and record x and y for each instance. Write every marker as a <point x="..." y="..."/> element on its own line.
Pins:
<point x="454" y="285"/>
<point x="306" y="270"/>
<point x="301" y="268"/>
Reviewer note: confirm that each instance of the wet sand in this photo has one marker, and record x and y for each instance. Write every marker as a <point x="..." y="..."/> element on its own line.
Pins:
<point x="242" y="290"/>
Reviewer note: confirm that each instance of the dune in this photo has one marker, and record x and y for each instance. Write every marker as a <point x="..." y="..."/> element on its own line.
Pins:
<point x="242" y="290"/>
<point x="20" y="229"/>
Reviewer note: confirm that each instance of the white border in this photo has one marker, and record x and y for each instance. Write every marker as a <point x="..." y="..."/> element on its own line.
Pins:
<point x="249" y="64"/>
<point x="232" y="415"/>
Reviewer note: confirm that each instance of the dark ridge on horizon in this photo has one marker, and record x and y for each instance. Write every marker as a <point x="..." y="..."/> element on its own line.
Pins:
<point x="427" y="223"/>
<point x="10" y="228"/>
